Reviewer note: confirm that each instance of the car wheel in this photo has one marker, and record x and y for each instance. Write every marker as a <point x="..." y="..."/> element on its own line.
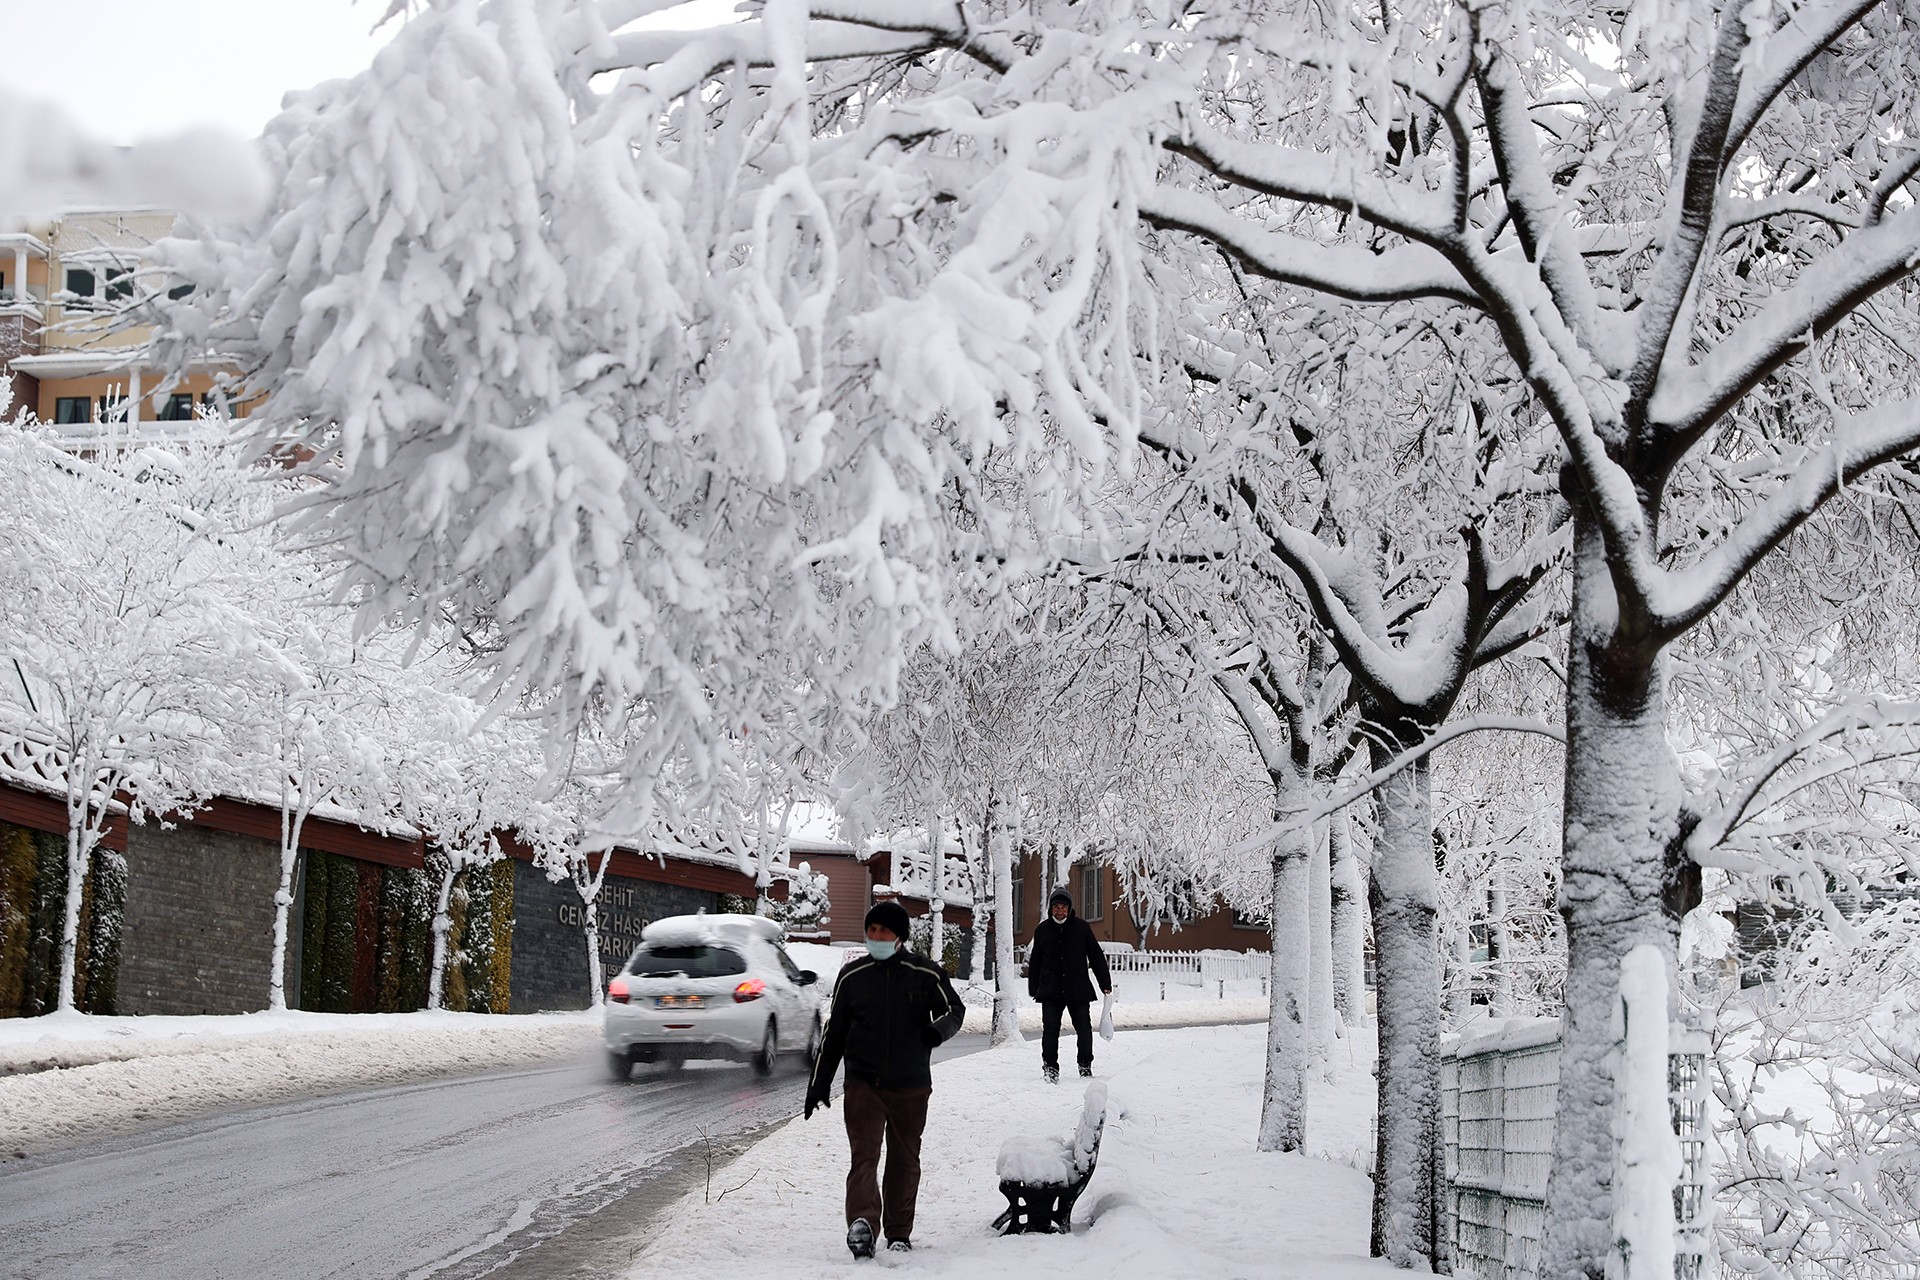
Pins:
<point x="814" y="1038"/>
<point x="619" y="1065"/>
<point x="769" y="1055"/>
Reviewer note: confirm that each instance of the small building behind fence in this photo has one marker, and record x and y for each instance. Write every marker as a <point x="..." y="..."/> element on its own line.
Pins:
<point x="1498" y="1090"/>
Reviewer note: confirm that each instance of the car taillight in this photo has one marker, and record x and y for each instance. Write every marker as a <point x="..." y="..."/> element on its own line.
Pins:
<point x="751" y="989"/>
<point x="617" y="991"/>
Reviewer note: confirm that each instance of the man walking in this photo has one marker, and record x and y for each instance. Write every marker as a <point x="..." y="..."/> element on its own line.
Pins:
<point x="1057" y="962"/>
<point x="891" y="1008"/>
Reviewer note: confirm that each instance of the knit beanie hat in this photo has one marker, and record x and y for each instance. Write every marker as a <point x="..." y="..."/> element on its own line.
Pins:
<point x="890" y="916"/>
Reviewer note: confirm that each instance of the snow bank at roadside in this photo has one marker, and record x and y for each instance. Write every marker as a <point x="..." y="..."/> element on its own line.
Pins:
<point x="1179" y="1190"/>
<point x="141" y="1071"/>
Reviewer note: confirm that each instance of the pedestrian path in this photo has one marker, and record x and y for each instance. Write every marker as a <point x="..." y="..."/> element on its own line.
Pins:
<point x="1179" y="1192"/>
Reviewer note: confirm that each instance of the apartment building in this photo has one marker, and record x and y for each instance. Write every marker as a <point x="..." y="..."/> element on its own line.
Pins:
<point x="64" y="347"/>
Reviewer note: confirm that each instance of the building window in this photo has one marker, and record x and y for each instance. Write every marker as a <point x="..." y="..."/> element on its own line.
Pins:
<point x="80" y="282"/>
<point x="1241" y="920"/>
<point x="119" y="283"/>
<point x="72" y="409"/>
<point x="178" y="408"/>
<point x="1019" y="891"/>
<point x="1093" y="904"/>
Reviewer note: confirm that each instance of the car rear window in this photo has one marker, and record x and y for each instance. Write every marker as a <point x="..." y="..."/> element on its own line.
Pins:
<point x="686" y="962"/>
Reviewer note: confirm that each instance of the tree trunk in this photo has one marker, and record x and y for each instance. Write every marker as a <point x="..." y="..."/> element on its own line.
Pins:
<point x="1283" y="1118"/>
<point x="293" y="817"/>
<point x="1407" y="1223"/>
<point x="1349" y="923"/>
<point x="1006" y="1012"/>
<point x="936" y="893"/>
<point x="596" y="971"/>
<point x="1457" y="976"/>
<point x="1322" y="1021"/>
<point x="1500" y="995"/>
<point x="980" y="884"/>
<point x="1622" y="814"/>
<point x="442" y="926"/>
<point x="81" y="838"/>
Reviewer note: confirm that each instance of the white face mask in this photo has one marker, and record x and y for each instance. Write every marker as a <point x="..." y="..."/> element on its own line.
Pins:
<point x="881" y="950"/>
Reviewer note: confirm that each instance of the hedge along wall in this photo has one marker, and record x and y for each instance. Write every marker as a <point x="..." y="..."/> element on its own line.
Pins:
<point x="367" y="936"/>
<point x="33" y="893"/>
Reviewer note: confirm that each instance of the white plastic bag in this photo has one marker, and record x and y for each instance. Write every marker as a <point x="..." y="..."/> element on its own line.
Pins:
<point x="1106" y="1017"/>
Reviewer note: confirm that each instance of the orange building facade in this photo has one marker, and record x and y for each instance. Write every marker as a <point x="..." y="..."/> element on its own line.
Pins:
<point x="66" y="353"/>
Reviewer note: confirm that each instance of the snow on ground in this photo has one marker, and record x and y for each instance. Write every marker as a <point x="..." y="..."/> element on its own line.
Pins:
<point x="1179" y="1190"/>
<point x="122" y="1073"/>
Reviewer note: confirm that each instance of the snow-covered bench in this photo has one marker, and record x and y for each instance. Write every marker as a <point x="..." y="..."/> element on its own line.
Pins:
<point x="1043" y="1177"/>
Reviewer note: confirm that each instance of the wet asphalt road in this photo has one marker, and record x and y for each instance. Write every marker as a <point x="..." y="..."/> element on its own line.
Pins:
<point x="519" y="1175"/>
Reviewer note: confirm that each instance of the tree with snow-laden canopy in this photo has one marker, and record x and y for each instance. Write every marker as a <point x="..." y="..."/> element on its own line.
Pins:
<point x="137" y="668"/>
<point x="672" y="358"/>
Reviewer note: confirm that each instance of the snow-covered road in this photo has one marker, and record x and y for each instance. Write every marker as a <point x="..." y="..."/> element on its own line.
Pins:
<point x="447" y="1178"/>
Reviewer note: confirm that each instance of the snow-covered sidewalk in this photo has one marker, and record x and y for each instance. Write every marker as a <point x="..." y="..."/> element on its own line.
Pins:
<point x="1179" y="1190"/>
<point x="64" y="1079"/>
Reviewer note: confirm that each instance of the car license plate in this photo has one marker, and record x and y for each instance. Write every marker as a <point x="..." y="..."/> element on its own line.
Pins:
<point x="680" y="1002"/>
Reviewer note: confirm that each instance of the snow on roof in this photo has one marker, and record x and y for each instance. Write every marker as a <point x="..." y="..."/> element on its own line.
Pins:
<point x="803" y="845"/>
<point x="681" y="931"/>
<point x="708" y="931"/>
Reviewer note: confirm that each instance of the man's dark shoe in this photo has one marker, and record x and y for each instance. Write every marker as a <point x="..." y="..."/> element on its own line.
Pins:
<point x="900" y="1246"/>
<point x="1086" y="1068"/>
<point x="860" y="1238"/>
<point x="1050" y="1074"/>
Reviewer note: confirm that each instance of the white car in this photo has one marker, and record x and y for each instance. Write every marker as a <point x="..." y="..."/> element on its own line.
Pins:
<point x="717" y="986"/>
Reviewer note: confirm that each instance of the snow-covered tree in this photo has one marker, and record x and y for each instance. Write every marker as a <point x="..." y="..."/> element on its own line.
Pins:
<point x="461" y="776"/>
<point x="588" y="369"/>
<point x="132" y="656"/>
<point x="1662" y="232"/>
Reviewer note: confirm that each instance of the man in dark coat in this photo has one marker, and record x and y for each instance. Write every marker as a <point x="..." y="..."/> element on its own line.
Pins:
<point x="1063" y="949"/>
<point x="891" y="1009"/>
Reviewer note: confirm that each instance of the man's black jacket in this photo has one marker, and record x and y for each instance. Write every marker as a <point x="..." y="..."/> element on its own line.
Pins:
<point x="1058" y="959"/>
<point x="887" y="1017"/>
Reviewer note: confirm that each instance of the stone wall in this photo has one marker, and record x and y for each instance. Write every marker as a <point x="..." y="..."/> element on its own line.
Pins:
<point x="198" y="936"/>
<point x="549" y="949"/>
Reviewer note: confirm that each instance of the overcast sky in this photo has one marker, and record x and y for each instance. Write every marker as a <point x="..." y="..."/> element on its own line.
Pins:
<point x="127" y="69"/>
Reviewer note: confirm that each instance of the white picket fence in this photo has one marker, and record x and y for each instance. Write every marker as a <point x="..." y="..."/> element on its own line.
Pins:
<point x="1497" y="1099"/>
<point x="1184" y="968"/>
<point x="1192" y="968"/>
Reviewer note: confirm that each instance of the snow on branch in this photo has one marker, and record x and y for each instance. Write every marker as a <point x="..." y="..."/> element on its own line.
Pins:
<point x="678" y="62"/>
<point x="1891" y="727"/>
<point x="1687" y="401"/>
<point x="1788" y="51"/>
<point x="1689" y="214"/>
<point x="1346" y="271"/>
<point x="1861" y="442"/>
<point x="1324" y="180"/>
<point x="1367" y="785"/>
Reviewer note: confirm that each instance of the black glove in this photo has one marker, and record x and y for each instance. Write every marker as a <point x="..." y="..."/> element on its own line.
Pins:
<point x="930" y="1037"/>
<point x="815" y="1100"/>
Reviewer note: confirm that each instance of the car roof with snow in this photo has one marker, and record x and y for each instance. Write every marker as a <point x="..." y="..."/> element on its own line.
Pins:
<point x="707" y="931"/>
